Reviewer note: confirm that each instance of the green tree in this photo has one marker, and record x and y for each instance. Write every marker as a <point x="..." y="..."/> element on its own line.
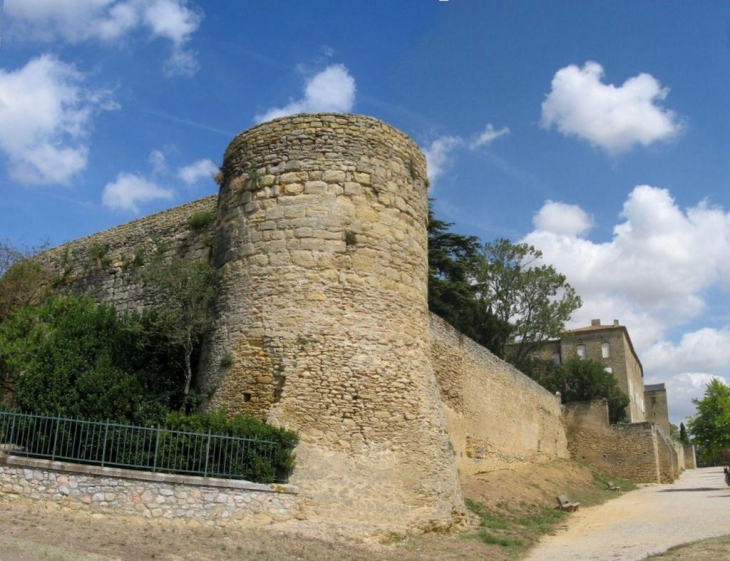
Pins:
<point x="710" y="427"/>
<point x="453" y="260"/>
<point x="23" y="280"/>
<point x="181" y="294"/>
<point x="584" y="380"/>
<point x="79" y="359"/>
<point x="683" y="437"/>
<point x="534" y="300"/>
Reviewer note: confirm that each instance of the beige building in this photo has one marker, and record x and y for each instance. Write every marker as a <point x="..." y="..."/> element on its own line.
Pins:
<point x="657" y="411"/>
<point x="611" y="346"/>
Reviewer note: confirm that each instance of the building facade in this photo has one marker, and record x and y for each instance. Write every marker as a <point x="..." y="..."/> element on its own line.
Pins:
<point x="609" y="345"/>
<point x="657" y="411"/>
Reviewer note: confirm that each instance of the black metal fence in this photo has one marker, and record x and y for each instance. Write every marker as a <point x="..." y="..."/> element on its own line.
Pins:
<point x="142" y="448"/>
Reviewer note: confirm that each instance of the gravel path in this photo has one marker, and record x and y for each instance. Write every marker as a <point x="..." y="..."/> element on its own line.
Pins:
<point x="644" y="522"/>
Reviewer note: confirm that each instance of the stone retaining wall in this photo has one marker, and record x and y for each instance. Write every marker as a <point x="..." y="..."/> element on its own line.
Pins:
<point x="106" y="265"/>
<point x="640" y="452"/>
<point x="690" y="459"/>
<point x="496" y="415"/>
<point x="207" y="501"/>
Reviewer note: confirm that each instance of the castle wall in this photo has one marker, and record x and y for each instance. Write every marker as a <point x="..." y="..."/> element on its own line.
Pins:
<point x="496" y="415"/>
<point x="319" y="241"/>
<point x="657" y="409"/>
<point x="122" y="492"/>
<point x="690" y="460"/>
<point x="323" y="318"/>
<point x="640" y="452"/>
<point x="106" y="265"/>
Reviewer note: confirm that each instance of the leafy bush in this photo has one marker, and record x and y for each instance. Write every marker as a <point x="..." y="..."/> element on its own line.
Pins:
<point x="211" y="445"/>
<point x="200" y="220"/>
<point x="262" y="461"/>
<point x="78" y="359"/>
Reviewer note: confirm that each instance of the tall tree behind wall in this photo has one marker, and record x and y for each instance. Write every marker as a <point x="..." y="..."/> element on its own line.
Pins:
<point x="453" y="291"/>
<point x="530" y="297"/>
<point x="710" y="427"/>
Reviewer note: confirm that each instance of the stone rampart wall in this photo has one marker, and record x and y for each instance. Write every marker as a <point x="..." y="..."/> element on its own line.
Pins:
<point x="640" y="452"/>
<point x="105" y="265"/>
<point x="496" y="415"/>
<point x="690" y="459"/>
<point x="215" y="502"/>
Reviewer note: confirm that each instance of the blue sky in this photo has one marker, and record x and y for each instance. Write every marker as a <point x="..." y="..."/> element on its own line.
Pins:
<point x="596" y="131"/>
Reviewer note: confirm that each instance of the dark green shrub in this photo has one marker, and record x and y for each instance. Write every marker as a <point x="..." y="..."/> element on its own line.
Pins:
<point x="78" y="359"/>
<point x="265" y="463"/>
<point x="200" y="220"/>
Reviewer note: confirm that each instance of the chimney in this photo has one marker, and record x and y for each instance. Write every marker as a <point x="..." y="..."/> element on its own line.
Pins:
<point x="595" y="322"/>
<point x="615" y="322"/>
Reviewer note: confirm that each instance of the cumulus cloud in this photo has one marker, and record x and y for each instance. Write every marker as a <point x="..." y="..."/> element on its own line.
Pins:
<point x="45" y="119"/>
<point x="654" y="275"/>
<point x="661" y="257"/>
<point x="614" y="118"/>
<point x="331" y="90"/>
<point x="439" y="155"/>
<point x="706" y="349"/>
<point x="202" y="169"/>
<point x="682" y="389"/>
<point x="131" y="189"/>
<point x="488" y="136"/>
<point x="561" y="218"/>
<point x="109" y="20"/>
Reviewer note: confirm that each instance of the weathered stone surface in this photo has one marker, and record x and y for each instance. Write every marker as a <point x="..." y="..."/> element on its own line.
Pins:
<point x="640" y="452"/>
<point x="167" y="499"/>
<point x="312" y="332"/>
<point x="322" y="261"/>
<point x="496" y="414"/>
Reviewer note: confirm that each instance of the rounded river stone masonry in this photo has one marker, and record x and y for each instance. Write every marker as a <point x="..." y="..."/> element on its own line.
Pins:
<point x="323" y="316"/>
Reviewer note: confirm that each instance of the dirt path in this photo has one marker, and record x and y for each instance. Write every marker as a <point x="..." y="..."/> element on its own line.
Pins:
<point x="644" y="522"/>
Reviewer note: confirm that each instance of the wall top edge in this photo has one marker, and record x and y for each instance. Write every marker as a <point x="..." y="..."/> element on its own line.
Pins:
<point x="168" y="478"/>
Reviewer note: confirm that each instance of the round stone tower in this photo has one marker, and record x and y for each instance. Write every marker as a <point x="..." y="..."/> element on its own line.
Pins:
<point x="321" y="249"/>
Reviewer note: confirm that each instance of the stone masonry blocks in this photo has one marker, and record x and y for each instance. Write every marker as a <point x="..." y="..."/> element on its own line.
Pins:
<point x="323" y="311"/>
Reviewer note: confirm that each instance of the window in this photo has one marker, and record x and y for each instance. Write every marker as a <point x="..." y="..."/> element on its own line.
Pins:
<point x="609" y="369"/>
<point x="556" y="358"/>
<point x="605" y="350"/>
<point x="581" y="351"/>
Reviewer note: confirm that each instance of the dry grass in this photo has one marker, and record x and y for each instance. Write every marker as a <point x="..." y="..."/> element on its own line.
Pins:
<point x="513" y="509"/>
<point x="712" y="549"/>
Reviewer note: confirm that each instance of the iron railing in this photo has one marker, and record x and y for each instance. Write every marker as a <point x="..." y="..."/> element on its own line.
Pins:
<point x="133" y="447"/>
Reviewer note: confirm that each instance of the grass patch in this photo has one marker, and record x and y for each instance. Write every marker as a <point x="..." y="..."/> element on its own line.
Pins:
<point x="712" y="548"/>
<point x="515" y="527"/>
<point x="200" y="220"/>
<point x="517" y="524"/>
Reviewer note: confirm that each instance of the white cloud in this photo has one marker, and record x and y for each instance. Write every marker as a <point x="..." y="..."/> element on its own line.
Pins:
<point x="440" y="152"/>
<point x="654" y="275"/>
<point x="108" y="20"/>
<point x="130" y="189"/>
<point x="488" y="136"/>
<point x="561" y="218"/>
<point x="610" y="117"/>
<point x="682" y="389"/>
<point x="157" y="161"/>
<point x="45" y="117"/>
<point x="706" y="350"/>
<point x="660" y="260"/>
<point x="202" y="169"/>
<point x="439" y="155"/>
<point x="332" y="90"/>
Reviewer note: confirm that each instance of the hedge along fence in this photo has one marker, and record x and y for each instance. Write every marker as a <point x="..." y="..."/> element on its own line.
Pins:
<point x="211" y="446"/>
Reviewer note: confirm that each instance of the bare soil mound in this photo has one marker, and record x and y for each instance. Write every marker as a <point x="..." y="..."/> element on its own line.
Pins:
<point x="512" y="503"/>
